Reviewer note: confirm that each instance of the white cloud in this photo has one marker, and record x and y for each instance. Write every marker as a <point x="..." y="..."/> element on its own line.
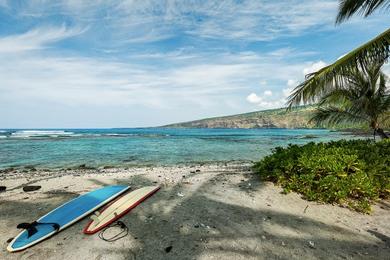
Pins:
<point x="269" y="99"/>
<point x="265" y="101"/>
<point x="150" y="20"/>
<point x="149" y="37"/>
<point x="253" y="98"/>
<point x="3" y="3"/>
<point x="36" y="39"/>
<point x="282" y="52"/>
<point x="213" y="81"/>
<point x="313" y="67"/>
<point x="209" y="80"/>
<point x="292" y="83"/>
<point x="272" y="104"/>
<point x="107" y="64"/>
<point x="260" y="20"/>
<point x="287" y="91"/>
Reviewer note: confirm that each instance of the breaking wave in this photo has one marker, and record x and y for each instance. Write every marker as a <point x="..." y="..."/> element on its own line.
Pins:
<point x="41" y="133"/>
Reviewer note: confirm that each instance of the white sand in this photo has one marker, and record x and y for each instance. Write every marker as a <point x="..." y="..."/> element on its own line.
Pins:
<point x="221" y="212"/>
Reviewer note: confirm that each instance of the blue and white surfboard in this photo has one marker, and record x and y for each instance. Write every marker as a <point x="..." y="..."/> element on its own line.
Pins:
<point x="64" y="216"/>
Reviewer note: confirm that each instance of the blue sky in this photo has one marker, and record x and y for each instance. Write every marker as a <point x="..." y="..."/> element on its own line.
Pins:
<point x="131" y="63"/>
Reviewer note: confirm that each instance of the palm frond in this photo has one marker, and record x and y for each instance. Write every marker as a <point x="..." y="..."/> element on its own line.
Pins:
<point x="338" y="96"/>
<point x="385" y="104"/>
<point x="382" y="88"/>
<point x="385" y="119"/>
<point x="334" y="115"/>
<point x="375" y="51"/>
<point x="348" y="8"/>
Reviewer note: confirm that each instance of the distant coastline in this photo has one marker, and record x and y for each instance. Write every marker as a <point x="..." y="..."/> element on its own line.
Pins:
<point x="297" y="118"/>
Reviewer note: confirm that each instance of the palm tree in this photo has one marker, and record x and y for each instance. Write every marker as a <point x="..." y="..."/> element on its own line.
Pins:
<point x="362" y="98"/>
<point x="347" y="8"/>
<point x="375" y="51"/>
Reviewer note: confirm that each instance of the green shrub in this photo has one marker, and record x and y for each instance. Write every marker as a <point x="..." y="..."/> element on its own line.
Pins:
<point x="352" y="173"/>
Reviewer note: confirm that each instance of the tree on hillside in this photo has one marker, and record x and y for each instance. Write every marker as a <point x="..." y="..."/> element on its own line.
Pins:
<point x="363" y="97"/>
<point x="375" y="51"/>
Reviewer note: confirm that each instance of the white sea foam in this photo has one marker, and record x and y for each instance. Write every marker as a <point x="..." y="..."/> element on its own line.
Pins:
<point x="113" y="134"/>
<point x="40" y="133"/>
<point x="77" y="135"/>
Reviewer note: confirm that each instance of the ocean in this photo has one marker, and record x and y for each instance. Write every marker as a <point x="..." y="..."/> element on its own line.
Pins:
<point x="67" y="148"/>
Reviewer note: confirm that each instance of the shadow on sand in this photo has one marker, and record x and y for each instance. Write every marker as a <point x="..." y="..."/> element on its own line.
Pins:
<point x="200" y="225"/>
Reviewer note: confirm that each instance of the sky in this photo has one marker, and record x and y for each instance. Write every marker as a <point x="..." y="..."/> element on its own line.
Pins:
<point x="95" y="63"/>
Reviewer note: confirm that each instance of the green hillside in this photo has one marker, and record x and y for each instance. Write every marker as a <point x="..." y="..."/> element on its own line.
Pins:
<point x="273" y="118"/>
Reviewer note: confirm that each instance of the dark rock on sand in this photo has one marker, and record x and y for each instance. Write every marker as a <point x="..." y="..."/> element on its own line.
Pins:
<point x="168" y="249"/>
<point x="2" y="188"/>
<point x="85" y="167"/>
<point x="31" y="188"/>
<point x="7" y="170"/>
<point x="30" y="168"/>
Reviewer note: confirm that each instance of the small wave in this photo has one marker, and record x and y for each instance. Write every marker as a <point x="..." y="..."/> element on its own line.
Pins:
<point x="89" y="135"/>
<point x="153" y="135"/>
<point x="110" y="134"/>
<point x="136" y="135"/>
<point x="41" y="133"/>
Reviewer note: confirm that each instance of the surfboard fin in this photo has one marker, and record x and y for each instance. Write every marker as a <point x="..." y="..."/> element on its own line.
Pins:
<point x="30" y="227"/>
<point x="95" y="217"/>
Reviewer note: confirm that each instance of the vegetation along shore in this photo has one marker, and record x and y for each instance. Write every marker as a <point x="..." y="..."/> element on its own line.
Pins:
<point x="307" y="181"/>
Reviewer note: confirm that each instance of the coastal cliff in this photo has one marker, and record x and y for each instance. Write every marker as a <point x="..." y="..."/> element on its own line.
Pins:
<point x="273" y="118"/>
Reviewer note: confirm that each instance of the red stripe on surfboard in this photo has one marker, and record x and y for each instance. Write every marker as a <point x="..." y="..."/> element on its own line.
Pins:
<point x="90" y="232"/>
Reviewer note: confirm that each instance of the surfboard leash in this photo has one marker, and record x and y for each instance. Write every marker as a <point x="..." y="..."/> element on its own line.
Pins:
<point x="124" y="231"/>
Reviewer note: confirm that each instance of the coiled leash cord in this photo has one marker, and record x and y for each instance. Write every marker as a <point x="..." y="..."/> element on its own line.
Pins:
<point x="122" y="234"/>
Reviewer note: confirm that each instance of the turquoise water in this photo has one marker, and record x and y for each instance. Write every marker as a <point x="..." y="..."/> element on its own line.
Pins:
<point x="146" y="146"/>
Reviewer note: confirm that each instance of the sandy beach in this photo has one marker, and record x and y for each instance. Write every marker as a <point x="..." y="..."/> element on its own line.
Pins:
<point x="201" y="212"/>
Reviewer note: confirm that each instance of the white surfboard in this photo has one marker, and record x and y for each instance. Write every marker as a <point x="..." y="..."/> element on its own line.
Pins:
<point x="120" y="207"/>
